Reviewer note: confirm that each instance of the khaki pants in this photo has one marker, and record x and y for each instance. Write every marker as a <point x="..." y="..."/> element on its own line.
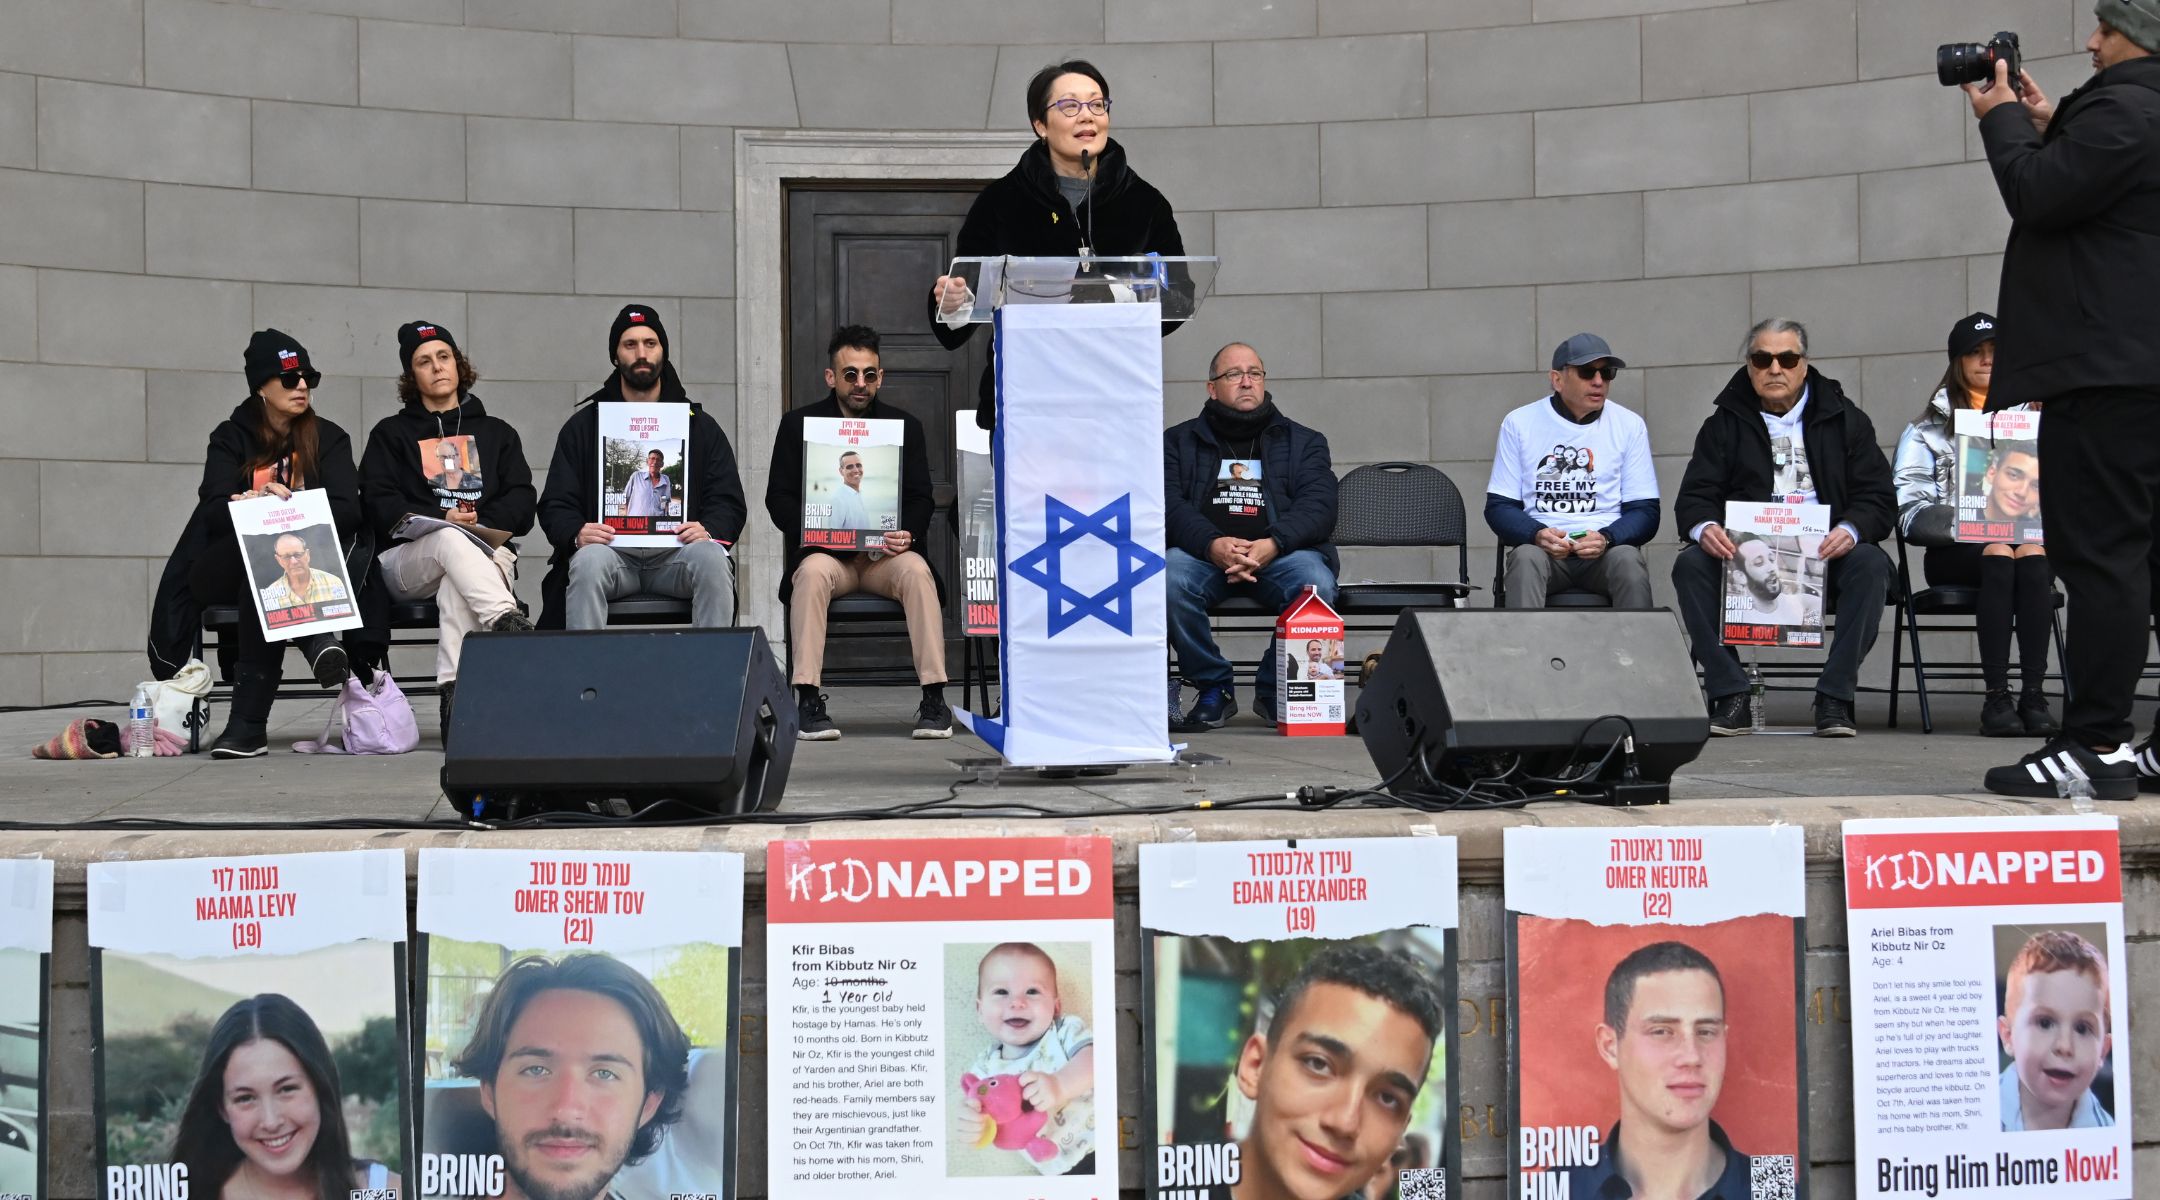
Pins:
<point x="902" y="577"/>
<point x="471" y="587"/>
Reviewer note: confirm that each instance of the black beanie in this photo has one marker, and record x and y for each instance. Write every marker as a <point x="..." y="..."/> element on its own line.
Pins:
<point x="414" y="334"/>
<point x="271" y="352"/>
<point x="638" y="314"/>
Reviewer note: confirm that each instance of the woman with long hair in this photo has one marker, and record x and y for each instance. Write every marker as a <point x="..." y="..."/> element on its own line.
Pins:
<point x="265" y="1119"/>
<point x="273" y="444"/>
<point x="2014" y="579"/>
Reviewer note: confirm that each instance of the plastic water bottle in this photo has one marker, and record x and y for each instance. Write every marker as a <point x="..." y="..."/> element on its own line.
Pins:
<point x="1759" y="716"/>
<point x="141" y="726"/>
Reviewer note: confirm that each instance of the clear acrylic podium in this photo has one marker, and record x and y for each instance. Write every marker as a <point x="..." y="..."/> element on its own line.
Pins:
<point x="1083" y="628"/>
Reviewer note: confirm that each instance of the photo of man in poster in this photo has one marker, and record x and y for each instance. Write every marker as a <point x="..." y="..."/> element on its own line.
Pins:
<point x="1663" y="1034"/>
<point x="848" y="509"/>
<point x="444" y="461"/>
<point x="647" y="493"/>
<point x="1756" y="593"/>
<point x="582" y="1070"/>
<point x="299" y="582"/>
<point x="2011" y="485"/>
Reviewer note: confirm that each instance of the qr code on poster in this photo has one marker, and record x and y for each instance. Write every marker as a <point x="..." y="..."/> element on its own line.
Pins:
<point x="1771" y="1177"/>
<point x="1423" y="1183"/>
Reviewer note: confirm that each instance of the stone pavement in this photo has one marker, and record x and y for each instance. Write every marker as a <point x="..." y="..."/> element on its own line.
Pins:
<point x="876" y="765"/>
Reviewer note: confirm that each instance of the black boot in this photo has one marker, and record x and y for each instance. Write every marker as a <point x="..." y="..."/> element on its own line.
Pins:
<point x="326" y="659"/>
<point x="247" y="724"/>
<point x="445" y="694"/>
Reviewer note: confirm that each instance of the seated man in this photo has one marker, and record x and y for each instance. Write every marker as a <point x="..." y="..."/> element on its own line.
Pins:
<point x="1248" y="506"/>
<point x="586" y="572"/>
<point x="898" y="572"/>
<point x="1782" y="431"/>
<point x="1579" y="516"/>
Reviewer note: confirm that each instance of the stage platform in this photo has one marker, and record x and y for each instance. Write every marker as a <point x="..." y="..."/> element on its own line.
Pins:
<point x="1798" y="780"/>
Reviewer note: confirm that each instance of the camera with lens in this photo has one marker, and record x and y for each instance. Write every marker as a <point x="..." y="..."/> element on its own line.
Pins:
<point x="1965" y="62"/>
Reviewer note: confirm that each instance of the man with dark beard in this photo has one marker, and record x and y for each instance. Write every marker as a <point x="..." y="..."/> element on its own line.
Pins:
<point x="586" y="572"/>
<point x="581" y="1067"/>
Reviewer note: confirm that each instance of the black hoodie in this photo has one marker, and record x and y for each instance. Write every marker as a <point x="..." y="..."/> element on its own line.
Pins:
<point x="784" y="482"/>
<point x="392" y="483"/>
<point x="571" y="498"/>
<point x="1025" y="214"/>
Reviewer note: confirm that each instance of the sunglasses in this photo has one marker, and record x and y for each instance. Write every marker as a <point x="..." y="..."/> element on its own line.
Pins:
<point x="1590" y="371"/>
<point x="867" y="374"/>
<point x="291" y="379"/>
<point x="1761" y="360"/>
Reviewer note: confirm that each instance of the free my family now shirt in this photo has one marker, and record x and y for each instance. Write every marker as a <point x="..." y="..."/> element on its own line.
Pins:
<point x="1572" y="476"/>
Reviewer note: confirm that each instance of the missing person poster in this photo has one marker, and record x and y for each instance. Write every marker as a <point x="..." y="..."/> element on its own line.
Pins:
<point x="579" y="1039"/>
<point x="451" y="466"/>
<point x="644" y="471"/>
<point x="1774" y="580"/>
<point x="941" y="1002"/>
<point x="1656" y="978"/>
<point x="250" y="1028"/>
<point x="26" y="923"/>
<point x="851" y="481"/>
<point x="296" y="565"/>
<point x="977" y="500"/>
<point x="1284" y="980"/>
<point x="1990" y="999"/>
<point x="1998" y="476"/>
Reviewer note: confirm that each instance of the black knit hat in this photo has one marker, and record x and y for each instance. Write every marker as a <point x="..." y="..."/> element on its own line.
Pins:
<point x="1969" y="334"/>
<point x="271" y="352"/>
<point x="414" y="334"/>
<point x="632" y="315"/>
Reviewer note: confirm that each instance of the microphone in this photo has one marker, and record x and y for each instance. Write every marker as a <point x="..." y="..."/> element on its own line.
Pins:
<point x="1087" y="238"/>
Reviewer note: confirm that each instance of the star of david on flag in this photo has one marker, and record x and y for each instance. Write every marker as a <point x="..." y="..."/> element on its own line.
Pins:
<point x="1044" y="566"/>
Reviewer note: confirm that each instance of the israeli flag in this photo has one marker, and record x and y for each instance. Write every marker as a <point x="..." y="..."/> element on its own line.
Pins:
<point x="1078" y="448"/>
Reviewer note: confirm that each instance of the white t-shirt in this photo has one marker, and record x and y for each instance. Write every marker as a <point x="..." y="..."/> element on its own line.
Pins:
<point x="1569" y="476"/>
<point x="1792" y="479"/>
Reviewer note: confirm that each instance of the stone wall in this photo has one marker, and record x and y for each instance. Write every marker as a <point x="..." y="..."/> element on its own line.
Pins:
<point x="1414" y="199"/>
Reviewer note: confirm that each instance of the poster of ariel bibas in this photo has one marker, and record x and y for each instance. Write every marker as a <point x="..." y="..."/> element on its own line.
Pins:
<point x="579" y="1024"/>
<point x="249" y="1023"/>
<point x="1990" y="1006"/>
<point x="26" y="888"/>
<point x="1656" y="978"/>
<point x="1297" y="1001"/>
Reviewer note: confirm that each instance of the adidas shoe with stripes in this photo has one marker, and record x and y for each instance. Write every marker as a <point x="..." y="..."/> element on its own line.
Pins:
<point x="2148" y="766"/>
<point x="2046" y="772"/>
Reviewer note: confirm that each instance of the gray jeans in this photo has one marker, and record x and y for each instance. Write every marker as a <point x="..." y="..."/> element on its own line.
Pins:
<point x="1619" y="573"/>
<point x="699" y="572"/>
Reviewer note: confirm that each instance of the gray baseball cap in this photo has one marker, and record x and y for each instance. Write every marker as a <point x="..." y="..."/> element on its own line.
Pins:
<point x="1583" y="348"/>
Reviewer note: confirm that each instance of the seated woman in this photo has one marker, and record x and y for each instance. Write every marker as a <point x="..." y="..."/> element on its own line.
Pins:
<point x="2013" y="579"/>
<point x="274" y="444"/>
<point x="265" y="1119"/>
<point x="443" y="456"/>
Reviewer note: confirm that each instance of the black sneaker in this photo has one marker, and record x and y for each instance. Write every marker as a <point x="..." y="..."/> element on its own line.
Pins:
<point x="933" y="719"/>
<point x="1999" y="716"/>
<point x="811" y="723"/>
<point x="330" y="666"/>
<point x="2034" y="713"/>
<point x="514" y="621"/>
<point x="1833" y="717"/>
<point x="1212" y="710"/>
<point x="2044" y="773"/>
<point x="1263" y="707"/>
<point x="1732" y="716"/>
<point x="241" y="741"/>
<point x="2148" y="766"/>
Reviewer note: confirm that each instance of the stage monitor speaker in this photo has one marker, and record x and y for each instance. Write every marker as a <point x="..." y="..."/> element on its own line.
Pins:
<point x="1462" y="694"/>
<point x="579" y="719"/>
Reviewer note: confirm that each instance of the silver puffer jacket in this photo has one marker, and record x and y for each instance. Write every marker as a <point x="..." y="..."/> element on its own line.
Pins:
<point x="1924" y="472"/>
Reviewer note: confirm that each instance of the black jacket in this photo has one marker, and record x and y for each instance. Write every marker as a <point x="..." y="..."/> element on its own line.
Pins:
<point x="1296" y="476"/>
<point x="784" y="482"/>
<point x="2084" y="248"/>
<point x="391" y="482"/>
<point x="1025" y="214"/>
<point x="571" y="498"/>
<point x="175" y="615"/>
<point x="1732" y="459"/>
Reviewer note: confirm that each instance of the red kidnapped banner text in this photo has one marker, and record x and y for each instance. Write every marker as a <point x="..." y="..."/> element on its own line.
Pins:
<point x="1925" y="870"/>
<point x="973" y="879"/>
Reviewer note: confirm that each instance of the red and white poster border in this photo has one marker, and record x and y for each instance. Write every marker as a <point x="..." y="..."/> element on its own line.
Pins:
<point x="269" y="904"/>
<point x="580" y="899"/>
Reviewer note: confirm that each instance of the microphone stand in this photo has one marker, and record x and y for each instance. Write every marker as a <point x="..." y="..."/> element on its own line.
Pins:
<point x="1087" y="236"/>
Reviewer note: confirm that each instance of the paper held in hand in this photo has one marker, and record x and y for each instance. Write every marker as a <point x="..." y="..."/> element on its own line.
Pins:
<point x="412" y="527"/>
<point x="851" y="482"/>
<point x="1998" y="476"/>
<point x="296" y="572"/>
<point x="1774" y="580"/>
<point x="644" y="472"/>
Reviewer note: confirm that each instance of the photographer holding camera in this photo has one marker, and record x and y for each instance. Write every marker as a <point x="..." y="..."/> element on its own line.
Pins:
<point x="2082" y="182"/>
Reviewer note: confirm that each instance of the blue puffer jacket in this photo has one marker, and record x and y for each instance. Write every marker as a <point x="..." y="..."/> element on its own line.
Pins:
<point x="1296" y="476"/>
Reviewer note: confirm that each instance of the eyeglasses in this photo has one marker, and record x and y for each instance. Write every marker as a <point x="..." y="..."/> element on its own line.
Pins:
<point x="1588" y="371"/>
<point x="1071" y="108"/>
<point x="1239" y="374"/>
<point x="1761" y="360"/>
<point x="867" y="374"/>
<point x="290" y="555"/>
<point x="291" y="379"/>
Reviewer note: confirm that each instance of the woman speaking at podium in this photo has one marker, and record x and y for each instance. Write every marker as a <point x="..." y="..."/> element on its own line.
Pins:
<point x="1070" y="194"/>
